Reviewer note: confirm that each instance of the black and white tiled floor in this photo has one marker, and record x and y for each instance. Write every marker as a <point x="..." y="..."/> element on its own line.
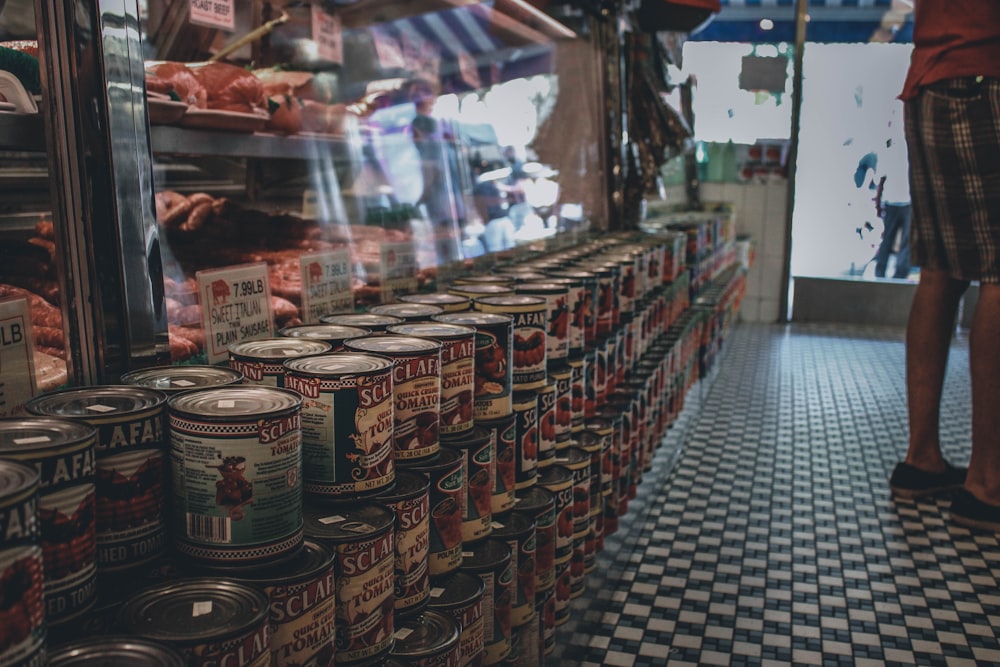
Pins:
<point x="766" y="535"/>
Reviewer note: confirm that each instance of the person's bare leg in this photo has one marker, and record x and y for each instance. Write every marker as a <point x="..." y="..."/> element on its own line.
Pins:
<point x="928" y="339"/>
<point x="983" y="480"/>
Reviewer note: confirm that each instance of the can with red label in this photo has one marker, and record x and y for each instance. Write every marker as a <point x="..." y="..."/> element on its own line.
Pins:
<point x="586" y="312"/>
<point x="577" y="460"/>
<point x="131" y="467"/>
<point x="23" y="639"/>
<point x="347" y="422"/>
<point x="62" y="452"/>
<point x="591" y="443"/>
<point x="236" y="462"/>
<point x="449" y="303"/>
<point x="518" y="531"/>
<point x="372" y="322"/>
<point x="430" y="639"/>
<point x="446" y="476"/>
<point x="175" y="379"/>
<point x="210" y="621"/>
<point x="559" y="480"/>
<point x="409" y="499"/>
<point x="590" y="384"/>
<point x="546" y="424"/>
<point x="262" y="361"/>
<point x="458" y="370"/>
<point x="490" y="560"/>
<point x="562" y="379"/>
<point x="334" y="334"/>
<point x="524" y="643"/>
<point x="476" y="448"/>
<point x="363" y="536"/>
<point x="408" y="312"/>
<point x="545" y="607"/>
<point x="557" y="313"/>
<point x="460" y="595"/>
<point x="529" y="344"/>
<point x="564" y="591"/>
<point x="578" y="392"/>
<point x="526" y="439"/>
<point x="574" y="304"/>
<point x="539" y="505"/>
<point x="416" y="391"/>
<point x="493" y="361"/>
<point x="503" y="433"/>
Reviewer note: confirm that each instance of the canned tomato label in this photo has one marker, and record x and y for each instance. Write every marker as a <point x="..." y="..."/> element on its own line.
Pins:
<point x="446" y="475"/>
<point x="557" y="313"/>
<point x="262" y="361"/>
<point x="23" y="605"/>
<point x="503" y="434"/>
<point x="586" y="311"/>
<point x="607" y="297"/>
<point x="529" y="344"/>
<point x="590" y="384"/>
<point x="526" y="439"/>
<point x="574" y="305"/>
<point x="458" y="370"/>
<point x="416" y="391"/>
<point x="210" y="621"/>
<point x="131" y="467"/>
<point x="409" y="499"/>
<point x="603" y="369"/>
<point x="578" y="461"/>
<point x="332" y="334"/>
<point x="362" y="534"/>
<point x="524" y="644"/>
<point x="370" y="321"/>
<point x="460" y="595"/>
<point x="578" y="392"/>
<point x="562" y="378"/>
<point x="303" y="605"/>
<point x="545" y="607"/>
<point x="236" y="458"/>
<point x="539" y="505"/>
<point x="604" y="430"/>
<point x="591" y="443"/>
<point x="490" y="560"/>
<point x="546" y="424"/>
<point x="62" y="452"/>
<point x="347" y="422"/>
<point x="559" y="480"/>
<point x="175" y="379"/>
<point x="518" y="531"/>
<point x="476" y="448"/>
<point x="408" y="312"/>
<point x="428" y="640"/>
<point x="493" y="361"/>
<point x="450" y="303"/>
<point x="563" y="588"/>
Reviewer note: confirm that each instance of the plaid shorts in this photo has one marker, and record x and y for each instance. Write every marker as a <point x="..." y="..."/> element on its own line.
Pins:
<point x="953" y="140"/>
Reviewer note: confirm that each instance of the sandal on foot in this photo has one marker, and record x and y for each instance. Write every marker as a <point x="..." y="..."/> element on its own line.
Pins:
<point x="971" y="512"/>
<point x="909" y="482"/>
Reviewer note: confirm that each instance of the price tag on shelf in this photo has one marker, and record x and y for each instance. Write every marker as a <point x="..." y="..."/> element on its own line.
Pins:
<point x="326" y="284"/>
<point x="397" y="270"/>
<point x="213" y="13"/>
<point x="17" y="357"/>
<point x="236" y="306"/>
<point x="328" y="34"/>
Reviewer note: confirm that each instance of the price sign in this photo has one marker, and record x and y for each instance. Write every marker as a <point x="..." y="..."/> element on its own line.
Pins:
<point x="326" y="284"/>
<point x="17" y="357"/>
<point x="328" y="35"/>
<point x="213" y="13"/>
<point x="398" y="270"/>
<point x="236" y="306"/>
<point x="388" y="50"/>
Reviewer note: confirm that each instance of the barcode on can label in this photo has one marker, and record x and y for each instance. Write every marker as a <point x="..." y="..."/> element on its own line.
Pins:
<point x="212" y="529"/>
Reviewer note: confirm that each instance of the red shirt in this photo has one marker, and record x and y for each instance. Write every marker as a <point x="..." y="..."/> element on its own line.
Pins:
<point x="953" y="38"/>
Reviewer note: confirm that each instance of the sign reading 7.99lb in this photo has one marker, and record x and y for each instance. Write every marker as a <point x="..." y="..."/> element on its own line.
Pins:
<point x="236" y="306"/>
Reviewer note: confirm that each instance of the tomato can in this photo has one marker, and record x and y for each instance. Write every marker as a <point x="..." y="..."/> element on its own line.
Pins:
<point x="333" y="334"/>
<point x="490" y="559"/>
<point x="62" y="452"/>
<point x="408" y="312"/>
<point x="607" y="298"/>
<point x="210" y="621"/>
<point x="499" y="278"/>
<point x="539" y="505"/>
<point x="409" y="498"/>
<point x="175" y="379"/>
<point x="236" y="459"/>
<point x="262" y="361"/>
<point x="503" y="433"/>
<point x="559" y="480"/>
<point x="131" y="467"/>
<point x="557" y="315"/>
<point x="476" y="291"/>
<point x="347" y="422"/>
<point x="529" y="345"/>
<point x="23" y="639"/>
<point x="545" y="607"/>
<point x="449" y="303"/>
<point x="115" y="650"/>
<point x="546" y="424"/>
<point x="564" y="591"/>
<point x="478" y="467"/>
<point x="578" y="460"/>
<point x="416" y="391"/>
<point x="524" y="643"/>
<point x="430" y="639"/>
<point x="578" y="392"/>
<point x="458" y="370"/>
<point x="585" y="314"/>
<point x="575" y="305"/>
<point x="371" y="321"/>
<point x="363" y="536"/>
<point x="518" y="531"/>
<point x="591" y="443"/>
<point x="590" y="384"/>
<point x="526" y="439"/>
<point x="494" y="364"/>
<point x="303" y="605"/>
<point x="460" y="595"/>
<point x="446" y="474"/>
<point x="562" y="379"/>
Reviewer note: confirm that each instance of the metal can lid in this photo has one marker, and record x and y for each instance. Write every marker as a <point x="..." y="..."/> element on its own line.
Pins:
<point x="474" y="319"/>
<point x="482" y="290"/>
<point x="434" y="330"/>
<point x="409" y="484"/>
<point x="97" y="401"/>
<point x="457" y="589"/>
<point x="573" y="457"/>
<point x="548" y="388"/>
<point x="476" y="437"/>
<point x="16" y="480"/>
<point x="589" y="440"/>
<point x="407" y="311"/>
<point x="555" y="477"/>
<point x="222" y="403"/>
<point x="521" y="274"/>
<point x="499" y="423"/>
<point x="426" y="635"/>
<point x="534" y="500"/>
<point x="347" y="522"/>
<point x="115" y="651"/>
<point x="310" y="562"/>
<point x="559" y="369"/>
<point x="195" y="610"/>
<point x="485" y="555"/>
<point x="393" y="345"/>
<point x="518" y="302"/>
<point x="21" y="436"/>
<point x="363" y="320"/>
<point x="331" y="333"/>
<point x="443" y="299"/>
<point x="173" y="379"/>
<point x="512" y="524"/>
<point x="277" y="348"/>
<point x="541" y="287"/>
<point x="445" y="459"/>
<point x="339" y="364"/>
<point x="599" y="426"/>
<point x="570" y="278"/>
<point x="484" y="279"/>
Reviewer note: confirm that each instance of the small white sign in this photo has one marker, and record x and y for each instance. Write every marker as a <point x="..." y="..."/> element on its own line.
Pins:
<point x="398" y="270"/>
<point x="214" y="13"/>
<point x="236" y="306"/>
<point x="326" y="284"/>
<point x="328" y="34"/>
<point x="17" y="357"/>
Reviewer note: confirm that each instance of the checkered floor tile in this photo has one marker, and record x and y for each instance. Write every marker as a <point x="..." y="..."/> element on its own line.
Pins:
<point x="765" y="533"/>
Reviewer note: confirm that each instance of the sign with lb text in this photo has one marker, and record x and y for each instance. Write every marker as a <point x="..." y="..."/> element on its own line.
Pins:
<point x="398" y="270"/>
<point x="326" y="284"/>
<point x="17" y="355"/>
<point x="236" y="306"/>
<point x="328" y="35"/>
